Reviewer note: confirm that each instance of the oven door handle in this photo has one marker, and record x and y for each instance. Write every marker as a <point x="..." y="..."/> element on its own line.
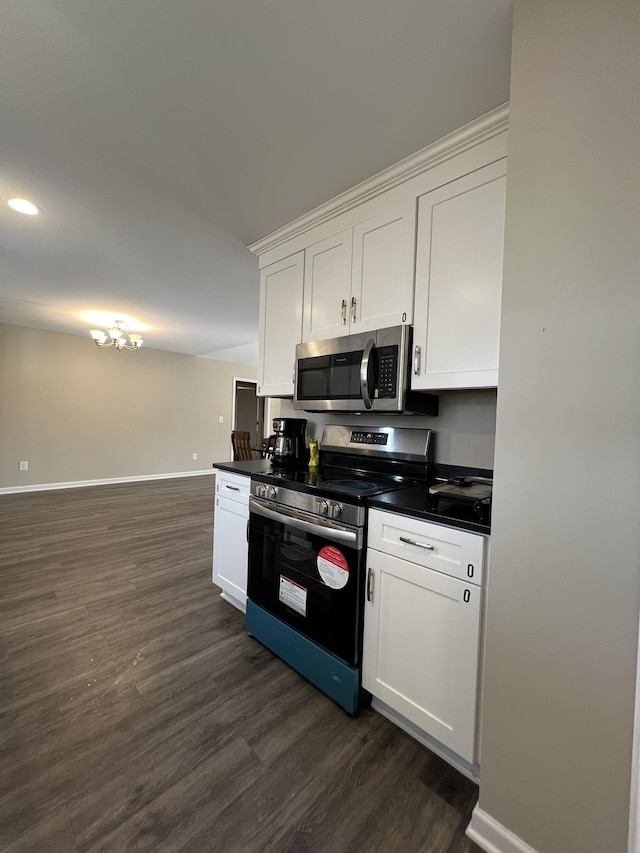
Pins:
<point x="329" y="530"/>
<point x="365" y="370"/>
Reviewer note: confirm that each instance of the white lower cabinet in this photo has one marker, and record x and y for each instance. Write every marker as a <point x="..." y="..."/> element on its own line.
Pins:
<point x="230" y="549"/>
<point x="422" y="629"/>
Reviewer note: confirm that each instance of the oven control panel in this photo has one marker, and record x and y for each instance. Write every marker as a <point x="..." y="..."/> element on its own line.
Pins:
<point x="361" y="437"/>
<point x="342" y="512"/>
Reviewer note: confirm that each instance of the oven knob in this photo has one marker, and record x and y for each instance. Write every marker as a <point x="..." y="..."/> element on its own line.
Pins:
<point x="322" y="507"/>
<point x="260" y="490"/>
<point x="271" y="492"/>
<point x="335" y="510"/>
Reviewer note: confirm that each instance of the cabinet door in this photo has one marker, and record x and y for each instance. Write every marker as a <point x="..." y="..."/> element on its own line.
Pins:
<point x="327" y="288"/>
<point x="420" y="655"/>
<point x="459" y="282"/>
<point x="230" y="550"/>
<point x="383" y="270"/>
<point x="281" y="289"/>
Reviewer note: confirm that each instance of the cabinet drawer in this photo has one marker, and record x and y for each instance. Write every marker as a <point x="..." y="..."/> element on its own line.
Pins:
<point x="457" y="553"/>
<point x="236" y="487"/>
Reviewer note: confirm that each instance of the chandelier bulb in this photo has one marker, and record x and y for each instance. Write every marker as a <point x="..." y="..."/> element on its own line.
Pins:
<point x="118" y="339"/>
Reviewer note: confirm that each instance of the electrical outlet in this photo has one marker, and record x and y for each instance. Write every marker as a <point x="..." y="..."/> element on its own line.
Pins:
<point x="194" y="456"/>
<point x="220" y="419"/>
<point x="24" y="466"/>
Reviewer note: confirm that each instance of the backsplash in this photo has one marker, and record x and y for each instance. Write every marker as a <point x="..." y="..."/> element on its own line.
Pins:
<point x="465" y="427"/>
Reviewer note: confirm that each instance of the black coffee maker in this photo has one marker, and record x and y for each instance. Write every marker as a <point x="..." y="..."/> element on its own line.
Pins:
<point x="290" y="449"/>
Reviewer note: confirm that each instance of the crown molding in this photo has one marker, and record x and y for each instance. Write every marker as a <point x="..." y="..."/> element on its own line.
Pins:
<point x="481" y="129"/>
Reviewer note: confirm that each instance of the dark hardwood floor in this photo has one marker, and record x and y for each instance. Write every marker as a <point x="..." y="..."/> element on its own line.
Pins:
<point x="136" y="713"/>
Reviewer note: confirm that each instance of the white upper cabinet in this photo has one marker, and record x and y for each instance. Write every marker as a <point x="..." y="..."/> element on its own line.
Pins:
<point x="432" y="223"/>
<point x="382" y="271"/>
<point x="327" y="288"/>
<point x="281" y="288"/>
<point x="459" y="282"/>
<point x="361" y="279"/>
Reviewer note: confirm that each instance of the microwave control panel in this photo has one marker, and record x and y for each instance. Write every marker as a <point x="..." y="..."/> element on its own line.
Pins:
<point x="387" y="372"/>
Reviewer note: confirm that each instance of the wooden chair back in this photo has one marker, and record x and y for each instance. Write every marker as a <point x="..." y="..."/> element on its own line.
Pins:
<point x="240" y="444"/>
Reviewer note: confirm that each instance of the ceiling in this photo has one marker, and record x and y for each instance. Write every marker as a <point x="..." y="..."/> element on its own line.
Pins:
<point x="160" y="138"/>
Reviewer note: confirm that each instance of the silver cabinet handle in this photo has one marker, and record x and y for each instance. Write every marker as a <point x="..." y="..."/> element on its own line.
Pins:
<point x="343" y="312"/>
<point x="369" y="584"/>
<point x="424" y="545"/>
<point x="353" y="309"/>
<point x="416" y="360"/>
<point x="233" y="488"/>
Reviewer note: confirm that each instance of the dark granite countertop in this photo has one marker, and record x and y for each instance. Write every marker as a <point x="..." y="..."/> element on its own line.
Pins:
<point x="254" y="466"/>
<point x="414" y="501"/>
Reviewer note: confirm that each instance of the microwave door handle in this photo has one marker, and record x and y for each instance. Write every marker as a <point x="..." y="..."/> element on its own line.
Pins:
<point x="365" y="367"/>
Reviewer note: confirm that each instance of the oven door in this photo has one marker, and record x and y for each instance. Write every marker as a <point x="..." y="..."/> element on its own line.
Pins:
<point x="309" y="572"/>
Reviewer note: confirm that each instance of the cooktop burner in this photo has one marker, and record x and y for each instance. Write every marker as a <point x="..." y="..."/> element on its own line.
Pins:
<point x="358" y="487"/>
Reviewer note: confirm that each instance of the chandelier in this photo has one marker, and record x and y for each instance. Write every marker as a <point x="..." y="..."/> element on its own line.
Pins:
<point x="116" y="338"/>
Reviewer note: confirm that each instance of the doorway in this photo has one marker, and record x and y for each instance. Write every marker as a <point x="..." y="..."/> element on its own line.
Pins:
<point x="248" y="410"/>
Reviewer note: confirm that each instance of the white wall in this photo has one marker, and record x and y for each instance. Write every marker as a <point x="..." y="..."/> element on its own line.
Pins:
<point x="75" y="412"/>
<point x="564" y="586"/>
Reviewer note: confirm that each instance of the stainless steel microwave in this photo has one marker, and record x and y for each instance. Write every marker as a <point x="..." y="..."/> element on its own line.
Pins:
<point x="368" y="372"/>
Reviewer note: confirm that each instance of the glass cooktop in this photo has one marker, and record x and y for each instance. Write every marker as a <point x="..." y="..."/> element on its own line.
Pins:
<point x="350" y="483"/>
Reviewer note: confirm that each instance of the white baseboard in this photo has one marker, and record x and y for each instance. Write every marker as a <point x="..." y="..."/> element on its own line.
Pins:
<point x="42" y="487"/>
<point x="493" y="837"/>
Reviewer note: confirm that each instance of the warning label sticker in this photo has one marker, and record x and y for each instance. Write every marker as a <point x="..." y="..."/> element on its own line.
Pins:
<point x="333" y="567"/>
<point x="293" y="595"/>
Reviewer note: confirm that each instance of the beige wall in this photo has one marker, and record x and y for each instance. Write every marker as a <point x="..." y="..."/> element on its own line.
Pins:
<point x="78" y="413"/>
<point x="564" y="586"/>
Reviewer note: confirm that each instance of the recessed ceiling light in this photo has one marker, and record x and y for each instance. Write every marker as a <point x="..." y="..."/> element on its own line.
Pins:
<point x="21" y="205"/>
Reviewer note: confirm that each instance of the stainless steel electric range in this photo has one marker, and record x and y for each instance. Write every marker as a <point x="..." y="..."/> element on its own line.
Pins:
<point x="307" y="535"/>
